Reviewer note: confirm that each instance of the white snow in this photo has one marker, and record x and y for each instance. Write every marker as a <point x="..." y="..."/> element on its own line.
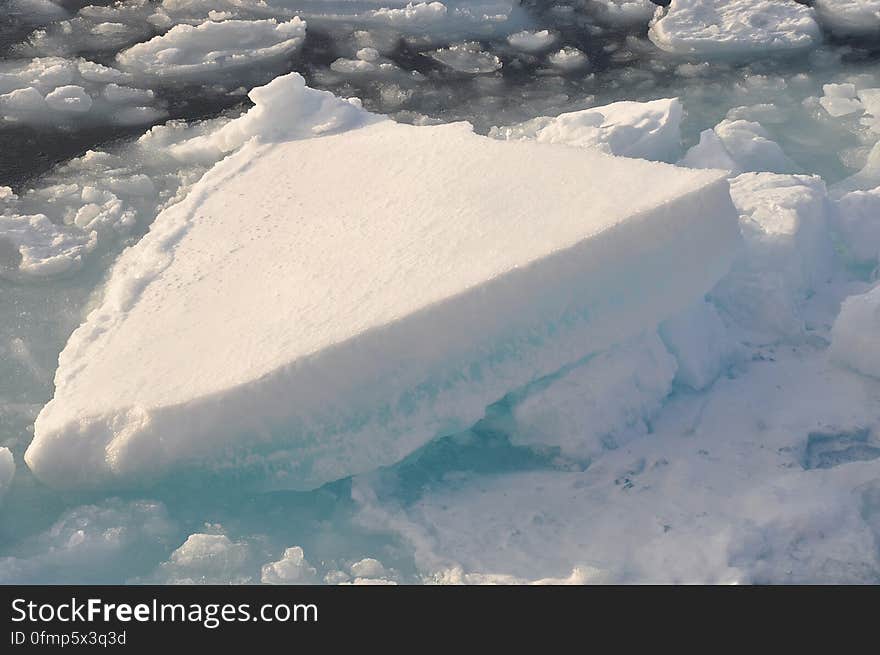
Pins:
<point x="850" y="17"/>
<point x="123" y="24"/>
<point x="648" y="130"/>
<point x="77" y="92"/>
<point x="759" y="481"/>
<point x="368" y="567"/>
<point x="7" y="470"/>
<point x="69" y="98"/>
<point x="532" y="41"/>
<point x="32" y="245"/>
<point x="341" y="326"/>
<point x="89" y="203"/>
<point x="840" y="100"/>
<point x="195" y="51"/>
<point x="738" y="146"/>
<point x="787" y="255"/>
<point x="855" y="337"/>
<point x="420" y="14"/>
<point x="292" y="568"/>
<point x="568" y="59"/>
<point x="206" y="558"/>
<point x="733" y="28"/>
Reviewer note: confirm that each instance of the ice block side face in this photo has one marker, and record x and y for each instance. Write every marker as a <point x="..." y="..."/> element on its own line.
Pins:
<point x="320" y="307"/>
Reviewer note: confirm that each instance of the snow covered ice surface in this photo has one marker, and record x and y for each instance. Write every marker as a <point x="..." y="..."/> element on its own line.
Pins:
<point x="733" y="28"/>
<point x="187" y="51"/>
<point x="556" y="295"/>
<point x="295" y="337"/>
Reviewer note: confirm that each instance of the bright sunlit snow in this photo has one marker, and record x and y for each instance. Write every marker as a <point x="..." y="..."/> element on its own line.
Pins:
<point x="456" y="292"/>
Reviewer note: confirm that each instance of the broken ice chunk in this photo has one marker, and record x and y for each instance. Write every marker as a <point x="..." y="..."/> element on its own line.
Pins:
<point x="188" y="51"/>
<point x="855" y="337"/>
<point x="648" y="130"/>
<point x="467" y="58"/>
<point x="738" y="146"/>
<point x="293" y="326"/>
<point x="733" y="28"/>
<point x="840" y="100"/>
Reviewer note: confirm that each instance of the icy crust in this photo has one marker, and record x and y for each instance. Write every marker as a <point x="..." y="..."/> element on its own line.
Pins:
<point x="850" y="17"/>
<point x="648" y="130"/>
<point x="855" y="338"/>
<point x="733" y="27"/>
<point x="378" y="339"/>
<point x="76" y="92"/>
<point x="196" y="51"/>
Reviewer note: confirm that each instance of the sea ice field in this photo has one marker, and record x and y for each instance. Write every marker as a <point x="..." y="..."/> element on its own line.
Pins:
<point x="442" y="292"/>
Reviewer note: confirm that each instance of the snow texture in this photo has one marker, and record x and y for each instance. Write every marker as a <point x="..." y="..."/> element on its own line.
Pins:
<point x="733" y="28"/>
<point x="787" y="255"/>
<point x="374" y="338"/>
<point x="188" y="51"/>
<point x="738" y="146"/>
<point x="647" y="130"/>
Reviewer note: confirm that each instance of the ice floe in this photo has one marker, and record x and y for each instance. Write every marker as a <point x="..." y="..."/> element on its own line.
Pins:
<point x="855" y="338"/>
<point x="188" y="51"/>
<point x="568" y="59"/>
<point x="648" y="130"/>
<point x="840" y="100"/>
<point x="102" y="197"/>
<point x="56" y="91"/>
<point x="206" y="558"/>
<point x="292" y="568"/>
<point x="733" y="28"/>
<point x="738" y="146"/>
<point x="467" y="58"/>
<point x="372" y="380"/>
<point x="535" y="41"/>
